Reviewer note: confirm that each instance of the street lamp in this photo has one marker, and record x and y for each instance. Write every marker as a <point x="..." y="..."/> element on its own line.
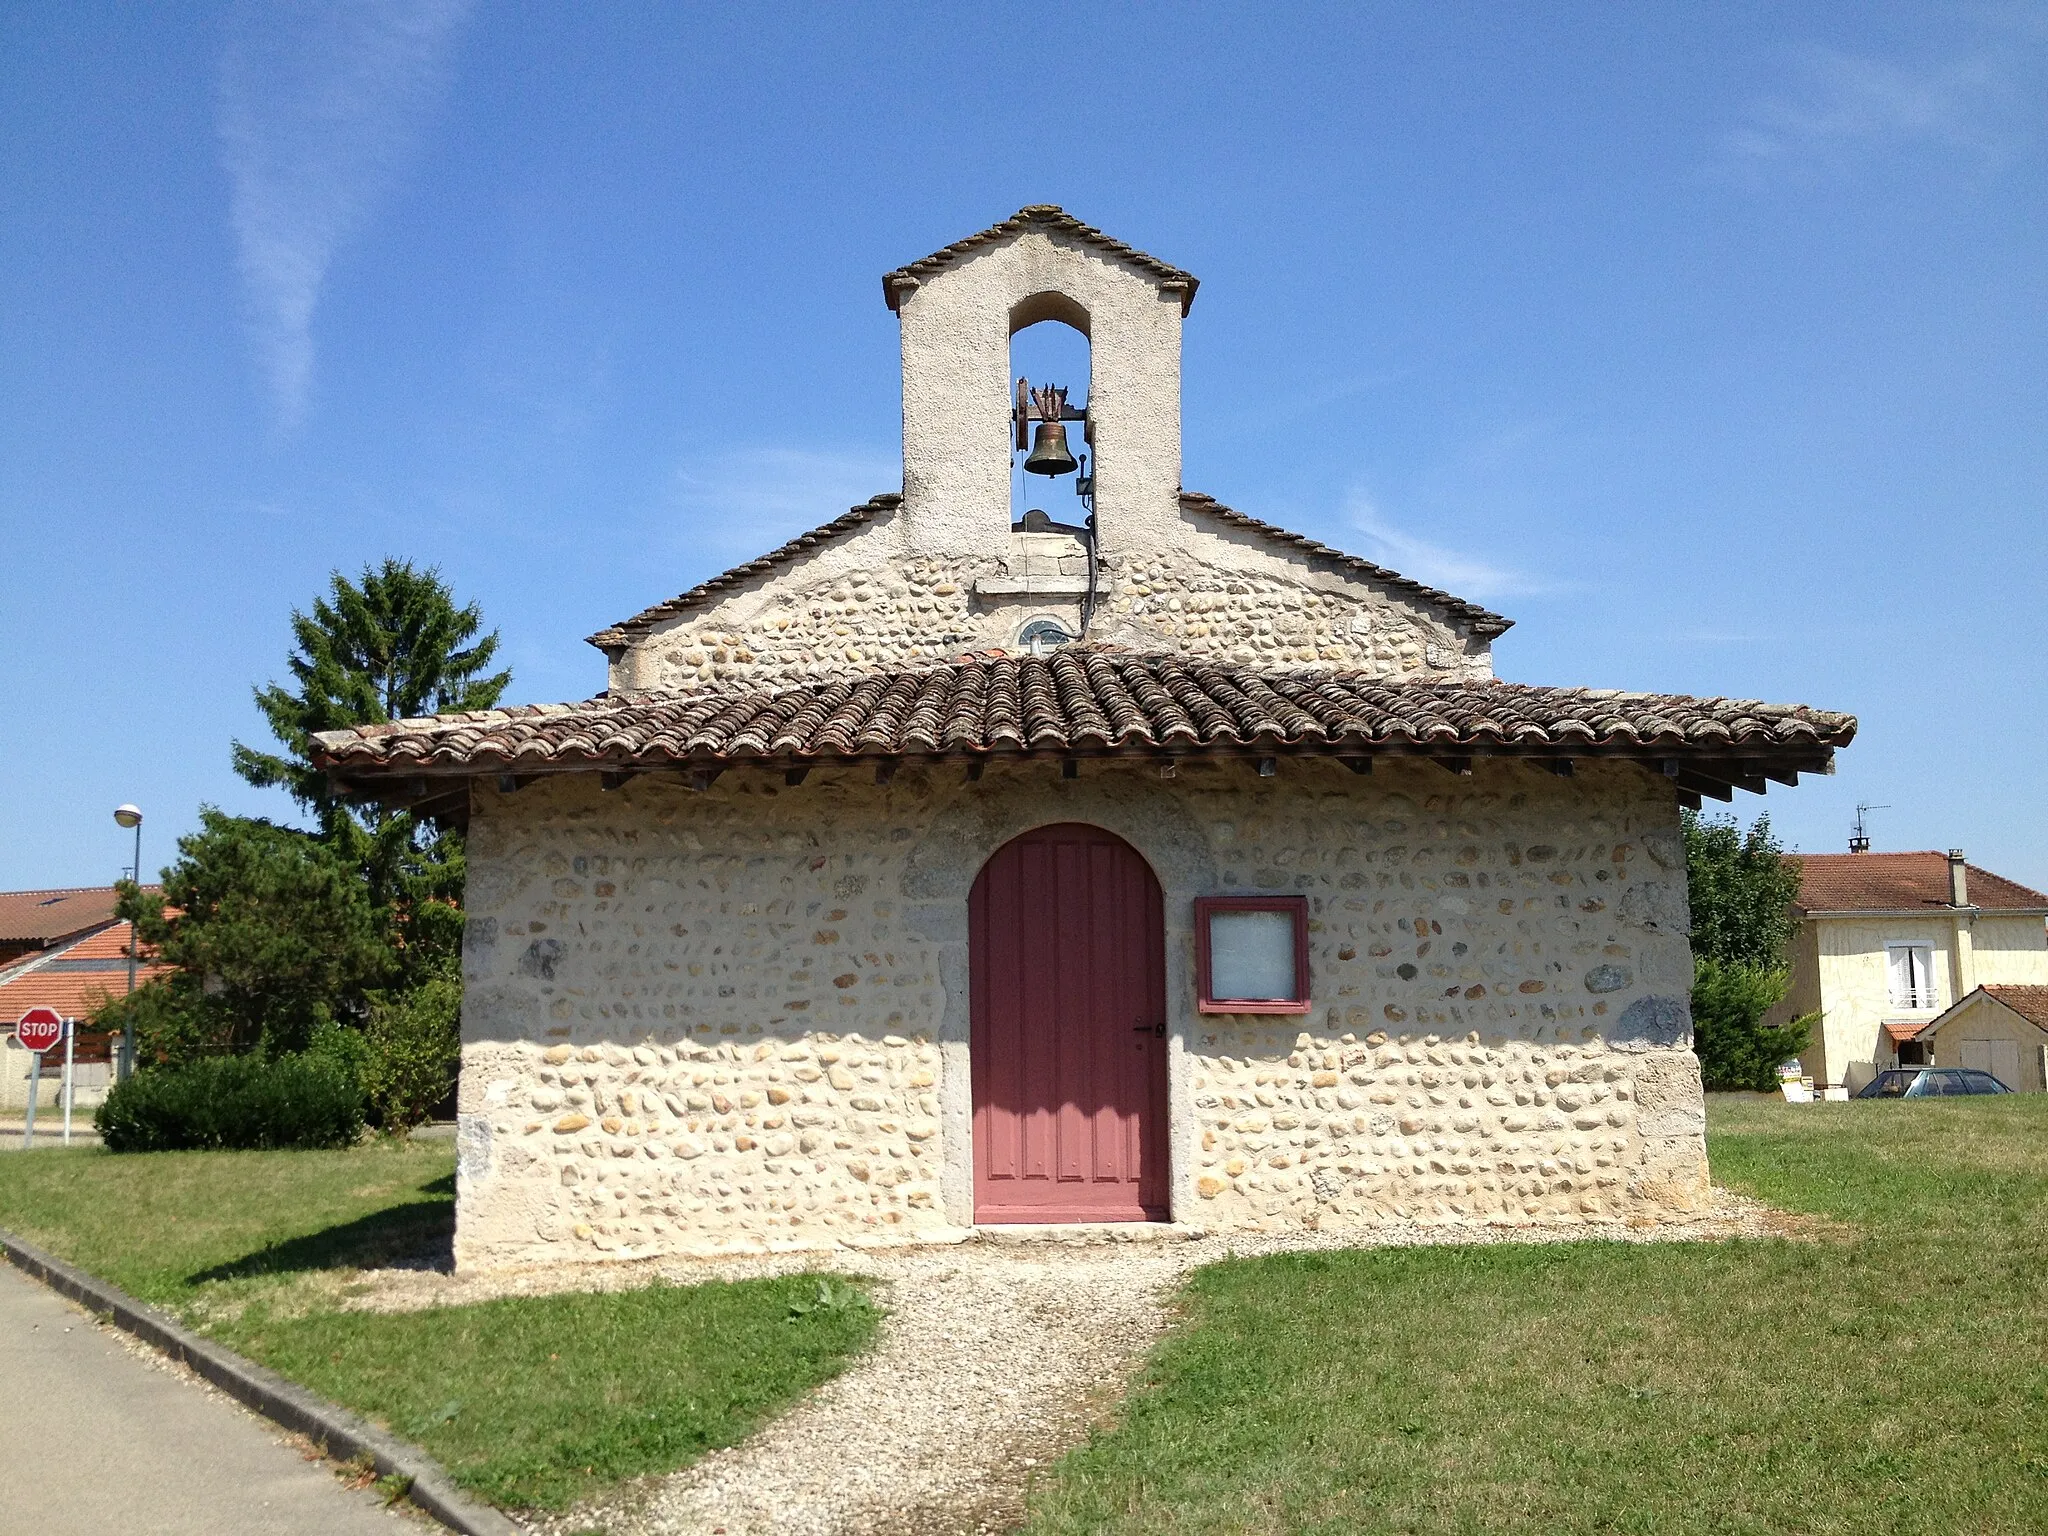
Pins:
<point x="130" y="816"/>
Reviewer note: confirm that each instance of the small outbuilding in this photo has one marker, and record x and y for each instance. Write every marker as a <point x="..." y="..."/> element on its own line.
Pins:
<point x="958" y="864"/>
<point x="1997" y="1029"/>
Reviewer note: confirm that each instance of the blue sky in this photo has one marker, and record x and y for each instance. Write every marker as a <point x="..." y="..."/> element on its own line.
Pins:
<point x="1706" y="342"/>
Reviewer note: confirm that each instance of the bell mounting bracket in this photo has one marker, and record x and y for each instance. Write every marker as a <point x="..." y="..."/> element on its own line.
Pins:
<point x="1047" y="403"/>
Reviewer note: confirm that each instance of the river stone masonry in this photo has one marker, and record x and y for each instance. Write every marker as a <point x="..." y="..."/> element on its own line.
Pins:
<point x="737" y="1019"/>
<point x="854" y="607"/>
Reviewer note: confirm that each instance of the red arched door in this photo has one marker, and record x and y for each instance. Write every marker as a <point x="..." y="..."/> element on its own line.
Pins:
<point x="1067" y="957"/>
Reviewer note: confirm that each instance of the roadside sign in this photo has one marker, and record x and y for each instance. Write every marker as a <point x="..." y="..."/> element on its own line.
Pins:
<point x="39" y="1029"/>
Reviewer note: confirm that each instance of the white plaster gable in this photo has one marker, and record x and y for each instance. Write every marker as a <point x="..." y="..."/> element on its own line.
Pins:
<point x="958" y="389"/>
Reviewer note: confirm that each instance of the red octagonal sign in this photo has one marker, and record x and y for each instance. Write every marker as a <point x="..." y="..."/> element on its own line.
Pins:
<point x="39" y="1029"/>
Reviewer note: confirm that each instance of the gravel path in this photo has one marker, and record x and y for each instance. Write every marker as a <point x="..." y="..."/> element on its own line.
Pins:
<point x="996" y="1357"/>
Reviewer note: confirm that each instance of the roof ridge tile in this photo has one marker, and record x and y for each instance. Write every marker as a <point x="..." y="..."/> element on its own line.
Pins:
<point x="1481" y="621"/>
<point x="1044" y="216"/>
<point x="615" y="635"/>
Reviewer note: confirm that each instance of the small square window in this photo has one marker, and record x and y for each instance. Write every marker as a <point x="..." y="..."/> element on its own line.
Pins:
<point x="1251" y="954"/>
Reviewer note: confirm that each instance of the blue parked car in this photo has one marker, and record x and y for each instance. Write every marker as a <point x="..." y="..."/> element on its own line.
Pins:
<point x="1929" y="1083"/>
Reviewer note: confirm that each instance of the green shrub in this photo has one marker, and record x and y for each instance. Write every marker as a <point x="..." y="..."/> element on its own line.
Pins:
<point x="414" y="1048"/>
<point x="172" y="1022"/>
<point x="1735" y="1047"/>
<point x="341" y="1047"/>
<point x="233" y="1102"/>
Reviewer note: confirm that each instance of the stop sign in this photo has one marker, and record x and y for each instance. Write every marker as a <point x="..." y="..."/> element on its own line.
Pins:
<point x="39" y="1029"/>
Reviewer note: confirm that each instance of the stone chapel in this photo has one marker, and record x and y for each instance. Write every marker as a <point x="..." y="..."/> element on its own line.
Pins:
<point x="943" y="869"/>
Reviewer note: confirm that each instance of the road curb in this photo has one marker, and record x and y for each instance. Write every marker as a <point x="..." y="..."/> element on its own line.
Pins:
<point x="340" y="1433"/>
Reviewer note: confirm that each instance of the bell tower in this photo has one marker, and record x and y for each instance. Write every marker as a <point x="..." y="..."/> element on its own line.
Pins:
<point x="967" y="422"/>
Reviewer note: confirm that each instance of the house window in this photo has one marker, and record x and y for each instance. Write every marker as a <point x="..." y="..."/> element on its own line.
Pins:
<point x="1251" y="954"/>
<point x="1912" y="974"/>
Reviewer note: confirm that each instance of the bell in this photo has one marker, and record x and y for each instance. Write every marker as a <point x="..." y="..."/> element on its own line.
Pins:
<point x="1049" y="455"/>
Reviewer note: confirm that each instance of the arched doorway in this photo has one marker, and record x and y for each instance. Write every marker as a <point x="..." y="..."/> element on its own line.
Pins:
<point x="1067" y="958"/>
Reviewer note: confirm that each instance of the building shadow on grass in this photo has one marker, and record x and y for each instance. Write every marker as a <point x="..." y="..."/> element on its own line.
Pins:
<point x="416" y="1235"/>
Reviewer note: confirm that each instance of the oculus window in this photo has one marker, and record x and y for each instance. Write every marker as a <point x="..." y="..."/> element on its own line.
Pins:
<point x="1251" y="954"/>
<point x="1041" y="637"/>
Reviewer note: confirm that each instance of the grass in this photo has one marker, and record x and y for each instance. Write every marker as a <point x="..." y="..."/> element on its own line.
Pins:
<point x="532" y="1402"/>
<point x="1885" y="1378"/>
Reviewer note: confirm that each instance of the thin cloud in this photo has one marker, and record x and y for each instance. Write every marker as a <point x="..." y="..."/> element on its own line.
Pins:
<point x="318" y="108"/>
<point x="743" y="502"/>
<point x="1844" y="103"/>
<point x="1460" y="574"/>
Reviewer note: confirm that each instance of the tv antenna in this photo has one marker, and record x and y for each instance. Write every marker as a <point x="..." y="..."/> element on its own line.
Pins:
<point x="1859" y="839"/>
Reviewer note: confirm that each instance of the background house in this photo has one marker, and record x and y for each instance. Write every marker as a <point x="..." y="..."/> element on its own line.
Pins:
<point x="34" y="921"/>
<point x="1888" y="942"/>
<point x="64" y="950"/>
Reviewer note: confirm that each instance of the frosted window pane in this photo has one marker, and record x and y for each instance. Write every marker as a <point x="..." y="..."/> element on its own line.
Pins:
<point x="1251" y="957"/>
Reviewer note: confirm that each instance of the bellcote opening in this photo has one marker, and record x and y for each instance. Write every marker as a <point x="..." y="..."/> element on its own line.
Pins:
<point x="1051" y="437"/>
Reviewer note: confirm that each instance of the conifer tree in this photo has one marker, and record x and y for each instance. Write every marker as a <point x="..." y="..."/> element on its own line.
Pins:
<point x="394" y="645"/>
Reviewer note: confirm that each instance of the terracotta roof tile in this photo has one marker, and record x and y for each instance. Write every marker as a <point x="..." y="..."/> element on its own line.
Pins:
<point x="56" y="913"/>
<point x="74" y="979"/>
<point x="1045" y="216"/>
<point x="1090" y="701"/>
<point x="2030" y="1003"/>
<point x="1895" y="882"/>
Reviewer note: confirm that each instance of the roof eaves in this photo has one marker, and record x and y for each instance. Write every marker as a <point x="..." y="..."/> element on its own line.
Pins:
<point x="1481" y="621"/>
<point x="1042" y="216"/>
<point x="1083" y="703"/>
<point x="1987" y="994"/>
<point x="1932" y="909"/>
<point x="626" y="630"/>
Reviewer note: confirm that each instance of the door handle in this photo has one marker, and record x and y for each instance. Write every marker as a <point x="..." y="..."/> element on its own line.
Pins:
<point x="1158" y="1029"/>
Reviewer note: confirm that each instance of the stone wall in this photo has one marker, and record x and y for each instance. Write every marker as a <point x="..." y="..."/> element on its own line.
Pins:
<point x="866" y="605"/>
<point x="739" y="1018"/>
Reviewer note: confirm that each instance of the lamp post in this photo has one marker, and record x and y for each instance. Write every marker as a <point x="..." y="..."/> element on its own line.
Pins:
<point x="130" y="816"/>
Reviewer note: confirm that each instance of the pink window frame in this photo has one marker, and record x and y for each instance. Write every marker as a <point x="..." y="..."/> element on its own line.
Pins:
<point x="1205" y="906"/>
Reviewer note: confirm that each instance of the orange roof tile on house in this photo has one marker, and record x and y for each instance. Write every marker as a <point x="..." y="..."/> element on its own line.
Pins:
<point x="76" y="978"/>
<point x="2030" y="1003"/>
<point x="1902" y="882"/>
<point x="56" y="914"/>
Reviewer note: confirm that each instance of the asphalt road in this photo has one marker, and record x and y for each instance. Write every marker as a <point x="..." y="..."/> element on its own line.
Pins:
<point x="96" y="1442"/>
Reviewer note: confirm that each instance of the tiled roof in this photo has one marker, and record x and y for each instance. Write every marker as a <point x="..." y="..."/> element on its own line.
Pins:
<point x="625" y="630"/>
<point x="2030" y="1003"/>
<point x="53" y="914"/>
<point x="75" y="979"/>
<point x="1482" y="621"/>
<point x="1897" y="882"/>
<point x="1089" y="702"/>
<point x="1046" y="216"/>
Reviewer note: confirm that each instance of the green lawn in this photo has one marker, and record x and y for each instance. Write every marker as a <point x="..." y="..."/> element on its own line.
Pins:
<point x="530" y="1401"/>
<point x="1890" y="1377"/>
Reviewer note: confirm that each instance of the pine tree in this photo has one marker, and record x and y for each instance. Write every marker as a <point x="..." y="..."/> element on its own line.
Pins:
<point x="393" y="646"/>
